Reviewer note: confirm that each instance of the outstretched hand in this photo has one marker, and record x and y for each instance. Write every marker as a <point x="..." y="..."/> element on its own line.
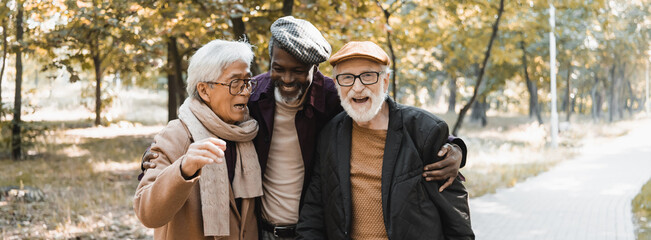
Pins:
<point x="446" y="169"/>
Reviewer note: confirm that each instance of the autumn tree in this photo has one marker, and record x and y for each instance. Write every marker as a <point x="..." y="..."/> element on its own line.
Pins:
<point x="16" y="151"/>
<point x="482" y="69"/>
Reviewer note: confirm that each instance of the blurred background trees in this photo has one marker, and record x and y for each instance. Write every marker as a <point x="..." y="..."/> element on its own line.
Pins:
<point x="445" y="55"/>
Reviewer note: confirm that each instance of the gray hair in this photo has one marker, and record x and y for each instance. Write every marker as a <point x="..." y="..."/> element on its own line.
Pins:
<point x="209" y="61"/>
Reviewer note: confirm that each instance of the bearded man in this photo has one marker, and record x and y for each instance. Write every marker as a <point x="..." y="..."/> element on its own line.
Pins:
<point x="367" y="180"/>
<point x="292" y="102"/>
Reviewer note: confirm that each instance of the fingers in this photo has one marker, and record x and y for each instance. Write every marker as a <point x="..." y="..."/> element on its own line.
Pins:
<point x="436" y="175"/>
<point x="213" y="146"/>
<point x="446" y="184"/>
<point x="149" y="156"/>
<point x="444" y="150"/>
<point x="440" y="164"/>
<point x="148" y="165"/>
<point x="448" y="171"/>
<point x="206" y="151"/>
<point x="221" y="144"/>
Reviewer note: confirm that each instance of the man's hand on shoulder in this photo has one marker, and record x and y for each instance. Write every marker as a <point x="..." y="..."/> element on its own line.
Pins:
<point x="446" y="169"/>
<point x="146" y="160"/>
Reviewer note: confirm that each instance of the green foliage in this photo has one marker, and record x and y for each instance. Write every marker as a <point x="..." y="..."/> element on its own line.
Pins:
<point x="433" y="41"/>
<point x="642" y="211"/>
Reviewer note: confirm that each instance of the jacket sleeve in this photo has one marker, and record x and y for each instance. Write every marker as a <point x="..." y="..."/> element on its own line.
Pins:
<point x="163" y="190"/>
<point x="311" y="223"/>
<point x="452" y="203"/>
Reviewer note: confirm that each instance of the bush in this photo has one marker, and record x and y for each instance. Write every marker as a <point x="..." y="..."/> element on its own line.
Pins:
<point x="642" y="212"/>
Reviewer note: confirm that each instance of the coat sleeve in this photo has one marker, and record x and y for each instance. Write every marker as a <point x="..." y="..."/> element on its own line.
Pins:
<point x="452" y="203"/>
<point x="163" y="190"/>
<point x="311" y="223"/>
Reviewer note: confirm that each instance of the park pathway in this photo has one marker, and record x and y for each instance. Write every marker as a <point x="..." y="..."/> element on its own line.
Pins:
<point x="588" y="197"/>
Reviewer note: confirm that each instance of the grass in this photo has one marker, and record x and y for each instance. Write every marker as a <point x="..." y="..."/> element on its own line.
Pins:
<point x="642" y="212"/>
<point x="88" y="184"/>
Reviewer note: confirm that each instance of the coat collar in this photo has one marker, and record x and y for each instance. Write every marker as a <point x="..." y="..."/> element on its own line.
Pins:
<point x="391" y="150"/>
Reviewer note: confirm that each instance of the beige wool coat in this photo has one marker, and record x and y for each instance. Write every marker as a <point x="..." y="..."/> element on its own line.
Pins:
<point x="172" y="205"/>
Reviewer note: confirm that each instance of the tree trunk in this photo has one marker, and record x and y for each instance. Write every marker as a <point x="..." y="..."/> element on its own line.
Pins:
<point x="452" y="100"/>
<point x="621" y="100"/>
<point x="16" y="151"/>
<point x="97" y="62"/>
<point x="612" y="106"/>
<point x="4" y="56"/>
<point x="288" y="7"/>
<point x="478" y="113"/>
<point x="566" y="102"/>
<point x="632" y="98"/>
<point x="239" y="29"/>
<point x="596" y="99"/>
<point x="466" y="107"/>
<point x="581" y="104"/>
<point x="387" y="15"/>
<point x="172" y="88"/>
<point x="178" y="72"/>
<point x="531" y="87"/>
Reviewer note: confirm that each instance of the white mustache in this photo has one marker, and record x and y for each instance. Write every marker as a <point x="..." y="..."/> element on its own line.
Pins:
<point x="366" y="93"/>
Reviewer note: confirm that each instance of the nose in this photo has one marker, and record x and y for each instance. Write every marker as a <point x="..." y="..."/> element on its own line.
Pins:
<point x="286" y="77"/>
<point x="358" y="86"/>
<point x="246" y="91"/>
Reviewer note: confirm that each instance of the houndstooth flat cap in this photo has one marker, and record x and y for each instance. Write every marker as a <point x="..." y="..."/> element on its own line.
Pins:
<point x="300" y="39"/>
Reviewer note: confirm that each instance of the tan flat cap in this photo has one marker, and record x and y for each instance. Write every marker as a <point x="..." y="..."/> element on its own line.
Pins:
<point x="356" y="49"/>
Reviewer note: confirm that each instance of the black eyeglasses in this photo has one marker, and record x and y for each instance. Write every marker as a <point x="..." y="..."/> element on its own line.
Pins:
<point x="237" y="86"/>
<point x="366" y="78"/>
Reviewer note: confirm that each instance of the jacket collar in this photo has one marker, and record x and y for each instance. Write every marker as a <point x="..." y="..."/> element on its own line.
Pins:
<point x="391" y="150"/>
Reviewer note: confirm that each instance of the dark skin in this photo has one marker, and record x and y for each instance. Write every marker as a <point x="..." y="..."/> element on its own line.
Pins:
<point x="292" y="76"/>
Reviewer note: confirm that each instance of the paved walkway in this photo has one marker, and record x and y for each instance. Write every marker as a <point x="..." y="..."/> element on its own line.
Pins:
<point x="585" y="198"/>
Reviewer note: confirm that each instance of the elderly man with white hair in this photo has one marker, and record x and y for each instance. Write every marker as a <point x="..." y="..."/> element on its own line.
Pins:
<point x="367" y="180"/>
<point x="292" y="102"/>
<point x="207" y="172"/>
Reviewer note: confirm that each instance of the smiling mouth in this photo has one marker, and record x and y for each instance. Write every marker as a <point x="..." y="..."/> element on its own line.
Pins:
<point x="287" y="88"/>
<point x="360" y="100"/>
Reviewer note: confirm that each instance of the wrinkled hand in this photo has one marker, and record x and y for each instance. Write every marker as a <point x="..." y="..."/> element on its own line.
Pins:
<point x="201" y="153"/>
<point x="446" y="169"/>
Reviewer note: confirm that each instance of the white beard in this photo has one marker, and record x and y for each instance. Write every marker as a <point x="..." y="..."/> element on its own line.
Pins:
<point x="290" y="99"/>
<point x="363" y="115"/>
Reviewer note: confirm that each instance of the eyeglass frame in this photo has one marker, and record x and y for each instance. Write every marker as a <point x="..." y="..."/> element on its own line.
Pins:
<point x="248" y="81"/>
<point x="355" y="77"/>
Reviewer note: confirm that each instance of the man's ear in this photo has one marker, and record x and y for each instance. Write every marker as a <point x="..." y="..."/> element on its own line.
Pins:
<point x="386" y="81"/>
<point x="202" y="89"/>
